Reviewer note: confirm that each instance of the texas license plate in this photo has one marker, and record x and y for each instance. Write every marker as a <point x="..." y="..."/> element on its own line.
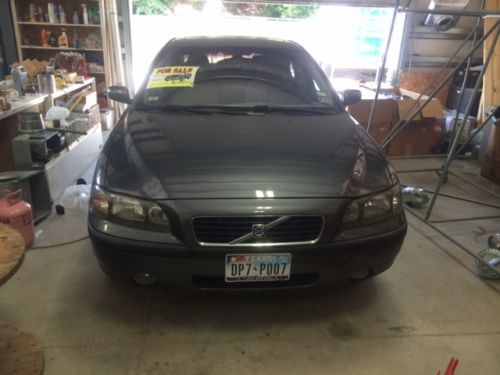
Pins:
<point x="258" y="267"/>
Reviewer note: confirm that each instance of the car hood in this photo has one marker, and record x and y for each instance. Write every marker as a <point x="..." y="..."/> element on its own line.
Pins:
<point x="211" y="156"/>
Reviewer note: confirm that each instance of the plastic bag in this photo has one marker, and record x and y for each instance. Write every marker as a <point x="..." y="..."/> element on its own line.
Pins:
<point x="76" y="197"/>
<point x="58" y="113"/>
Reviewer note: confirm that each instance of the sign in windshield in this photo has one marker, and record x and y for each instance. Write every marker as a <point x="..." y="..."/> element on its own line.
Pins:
<point x="237" y="77"/>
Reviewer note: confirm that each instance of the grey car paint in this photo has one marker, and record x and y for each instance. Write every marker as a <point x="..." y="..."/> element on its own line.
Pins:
<point x="217" y="164"/>
<point x="155" y="155"/>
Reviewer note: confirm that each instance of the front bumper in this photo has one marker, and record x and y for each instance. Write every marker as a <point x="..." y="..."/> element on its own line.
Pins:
<point x="203" y="267"/>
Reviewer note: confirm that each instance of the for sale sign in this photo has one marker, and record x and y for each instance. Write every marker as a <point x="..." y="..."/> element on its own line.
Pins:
<point x="172" y="76"/>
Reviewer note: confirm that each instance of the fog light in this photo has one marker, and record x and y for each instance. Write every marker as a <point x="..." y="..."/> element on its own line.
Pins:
<point x="360" y="273"/>
<point x="144" y="278"/>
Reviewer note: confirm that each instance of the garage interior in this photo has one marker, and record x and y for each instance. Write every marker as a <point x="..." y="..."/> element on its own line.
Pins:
<point x="429" y="77"/>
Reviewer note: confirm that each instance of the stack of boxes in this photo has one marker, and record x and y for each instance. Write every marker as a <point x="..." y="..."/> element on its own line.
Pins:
<point x="422" y="136"/>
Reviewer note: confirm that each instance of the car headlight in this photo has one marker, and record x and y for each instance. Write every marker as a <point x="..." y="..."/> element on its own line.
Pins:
<point x="128" y="211"/>
<point x="374" y="208"/>
<point x="372" y="215"/>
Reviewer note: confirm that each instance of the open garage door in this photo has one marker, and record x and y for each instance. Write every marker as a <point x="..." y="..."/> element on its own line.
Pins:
<point x="347" y="41"/>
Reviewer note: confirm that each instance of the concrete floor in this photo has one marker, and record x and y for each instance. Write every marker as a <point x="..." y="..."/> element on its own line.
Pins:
<point x="430" y="306"/>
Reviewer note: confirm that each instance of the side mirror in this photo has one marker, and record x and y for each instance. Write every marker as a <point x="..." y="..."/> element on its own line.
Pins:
<point x="119" y="94"/>
<point x="351" y="97"/>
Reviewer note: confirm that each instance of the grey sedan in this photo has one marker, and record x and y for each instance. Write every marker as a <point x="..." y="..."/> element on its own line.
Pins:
<point x="248" y="175"/>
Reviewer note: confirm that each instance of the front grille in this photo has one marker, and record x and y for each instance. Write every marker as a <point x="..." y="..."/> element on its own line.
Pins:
<point x="289" y="229"/>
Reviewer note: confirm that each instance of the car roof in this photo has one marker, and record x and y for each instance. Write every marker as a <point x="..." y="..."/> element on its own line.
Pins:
<point x="233" y="41"/>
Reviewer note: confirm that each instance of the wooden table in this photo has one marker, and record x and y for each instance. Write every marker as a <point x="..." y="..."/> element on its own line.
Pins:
<point x="11" y="252"/>
<point x="20" y="353"/>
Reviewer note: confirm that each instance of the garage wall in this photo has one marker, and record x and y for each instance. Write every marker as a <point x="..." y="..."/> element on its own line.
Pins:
<point x="7" y="41"/>
<point x="124" y="11"/>
<point x="492" y="78"/>
<point x="426" y="49"/>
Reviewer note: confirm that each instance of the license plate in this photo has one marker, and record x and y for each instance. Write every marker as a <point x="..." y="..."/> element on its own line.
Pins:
<point x="258" y="267"/>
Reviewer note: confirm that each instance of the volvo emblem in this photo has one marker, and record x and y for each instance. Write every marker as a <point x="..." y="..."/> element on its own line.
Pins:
<point x="259" y="230"/>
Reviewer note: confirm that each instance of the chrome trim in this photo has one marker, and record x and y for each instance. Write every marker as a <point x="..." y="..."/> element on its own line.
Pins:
<point x="260" y="244"/>
<point x="263" y="244"/>
<point x="272" y="224"/>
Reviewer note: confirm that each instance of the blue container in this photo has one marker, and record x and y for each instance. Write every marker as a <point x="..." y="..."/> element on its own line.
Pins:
<point x="20" y="78"/>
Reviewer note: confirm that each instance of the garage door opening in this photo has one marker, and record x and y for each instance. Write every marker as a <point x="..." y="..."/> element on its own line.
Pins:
<point x="347" y="42"/>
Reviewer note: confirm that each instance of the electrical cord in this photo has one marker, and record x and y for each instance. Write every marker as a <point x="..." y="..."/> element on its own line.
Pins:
<point x="59" y="244"/>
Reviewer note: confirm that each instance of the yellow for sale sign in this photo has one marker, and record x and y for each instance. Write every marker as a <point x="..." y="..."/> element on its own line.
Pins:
<point x="172" y="76"/>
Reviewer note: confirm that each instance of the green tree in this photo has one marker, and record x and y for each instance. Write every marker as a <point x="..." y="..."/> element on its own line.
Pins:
<point x="152" y="7"/>
<point x="288" y="11"/>
<point x="292" y="11"/>
<point x="149" y="7"/>
<point x="271" y="10"/>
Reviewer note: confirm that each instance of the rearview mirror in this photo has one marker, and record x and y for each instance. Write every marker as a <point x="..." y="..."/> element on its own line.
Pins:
<point x="119" y="94"/>
<point x="351" y="97"/>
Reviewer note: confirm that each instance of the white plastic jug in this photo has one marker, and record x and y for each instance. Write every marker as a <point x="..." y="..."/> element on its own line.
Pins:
<point x="20" y="78"/>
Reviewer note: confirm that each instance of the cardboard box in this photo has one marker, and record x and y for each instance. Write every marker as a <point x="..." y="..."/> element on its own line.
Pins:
<point x="386" y="114"/>
<point x="384" y="88"/>
<point x="432" y="110"/>
<point x="491" y="168"/>
<point x="422" y="136"/>
<point x="493" y="143"/>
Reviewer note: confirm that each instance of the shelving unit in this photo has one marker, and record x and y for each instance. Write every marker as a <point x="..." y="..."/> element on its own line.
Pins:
<point x="89" y="83"/>
<point x="62" y="48"/>
<point x="29" y="100"/>
<point x="57" y="24"/>
<point x="90" y="35"/>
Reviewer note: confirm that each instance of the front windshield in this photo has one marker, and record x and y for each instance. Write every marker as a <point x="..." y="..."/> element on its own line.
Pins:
<point x="236" y="77"/>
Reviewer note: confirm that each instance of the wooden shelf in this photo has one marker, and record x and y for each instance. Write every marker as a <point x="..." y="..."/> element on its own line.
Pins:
<point x="27" y="34"/>
<point x="74" y="87"/>
<point x="57" y="24"/>
<point x="63" y="49"/>
<point x="24" y="102"/>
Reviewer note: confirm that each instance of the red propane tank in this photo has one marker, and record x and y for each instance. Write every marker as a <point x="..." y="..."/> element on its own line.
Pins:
<point x="17" y="214"/>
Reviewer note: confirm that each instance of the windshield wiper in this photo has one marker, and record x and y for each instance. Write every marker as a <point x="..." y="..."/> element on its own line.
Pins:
<point x="292" y="110"/>
<point x="238" y="110"/>
<point x="198" y="109"/>
<point x="261" y="109"/>
<point x="178" y="108"/>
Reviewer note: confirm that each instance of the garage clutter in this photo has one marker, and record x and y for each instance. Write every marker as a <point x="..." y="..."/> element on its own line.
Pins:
<point x="424" y="135"/>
